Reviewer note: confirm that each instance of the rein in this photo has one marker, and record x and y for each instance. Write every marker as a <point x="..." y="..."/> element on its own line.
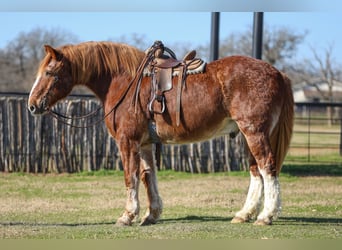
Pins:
<point x="61" y="118"/>
<point x="149" y="55"/>
<point x="59" y="115"/>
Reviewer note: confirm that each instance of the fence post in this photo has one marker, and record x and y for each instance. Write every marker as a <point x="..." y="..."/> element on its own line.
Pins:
<point x="309" y="132"/>
<point x="341" y="136"/>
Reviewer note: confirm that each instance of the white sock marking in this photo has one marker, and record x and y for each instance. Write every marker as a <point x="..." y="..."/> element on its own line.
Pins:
<point x="253" y="200"/>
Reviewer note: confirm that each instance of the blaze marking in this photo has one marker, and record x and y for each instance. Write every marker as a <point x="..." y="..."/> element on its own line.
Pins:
<point x="35" y="84"/>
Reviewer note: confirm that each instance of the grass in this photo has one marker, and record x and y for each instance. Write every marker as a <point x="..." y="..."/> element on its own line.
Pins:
<point x="321" y="145"/>
<point x="86" y="206"/>
<point x="312" y="169"/>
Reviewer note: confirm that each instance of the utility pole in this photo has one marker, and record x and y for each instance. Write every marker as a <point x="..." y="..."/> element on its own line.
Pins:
<point x="214" y="37"/>
<point x="257" y="34"/>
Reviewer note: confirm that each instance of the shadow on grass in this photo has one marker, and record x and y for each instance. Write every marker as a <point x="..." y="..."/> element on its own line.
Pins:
<point x="42" y="224"/>
<point x="280" y="221"/>
<point x="188" y="219"/>
<point x="195" y="218"/>
<point x="313" y="169"/>
<point x="309" y="220"/>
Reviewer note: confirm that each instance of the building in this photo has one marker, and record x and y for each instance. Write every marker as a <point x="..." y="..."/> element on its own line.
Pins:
<point x="305" y="92"/>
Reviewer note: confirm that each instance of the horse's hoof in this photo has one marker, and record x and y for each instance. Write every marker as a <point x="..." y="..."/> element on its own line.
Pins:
<point x="264" y="222"/>
<point x="147" y="221"/>
<point x="122" y="221"/>
<point x="122" y="224"/>
<point x="238" y="220"/>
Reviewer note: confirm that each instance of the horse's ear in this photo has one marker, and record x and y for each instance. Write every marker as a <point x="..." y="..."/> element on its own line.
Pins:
<point x="53" y="52"/>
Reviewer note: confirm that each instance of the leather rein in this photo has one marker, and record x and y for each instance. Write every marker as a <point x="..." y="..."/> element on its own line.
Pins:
<point x="149" y="55"/>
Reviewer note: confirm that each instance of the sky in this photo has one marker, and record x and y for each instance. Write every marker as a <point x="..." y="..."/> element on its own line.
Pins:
<point x="188" y="27"/>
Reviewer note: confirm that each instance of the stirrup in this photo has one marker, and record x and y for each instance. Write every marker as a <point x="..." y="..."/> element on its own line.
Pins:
<point x="150" y="108"/>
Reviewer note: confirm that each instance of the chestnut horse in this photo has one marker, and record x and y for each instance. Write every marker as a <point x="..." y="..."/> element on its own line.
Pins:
<point x="234" y="94"/>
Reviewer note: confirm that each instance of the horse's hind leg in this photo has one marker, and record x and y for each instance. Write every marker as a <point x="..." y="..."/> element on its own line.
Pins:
<point x="272" y="201"/>
<point x="260" y="148"/>
<point x="254" y="195"/>
<point x="149" y="159"/>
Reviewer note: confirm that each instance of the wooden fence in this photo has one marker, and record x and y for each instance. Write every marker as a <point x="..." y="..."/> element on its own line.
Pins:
<point x="45" y="145"/>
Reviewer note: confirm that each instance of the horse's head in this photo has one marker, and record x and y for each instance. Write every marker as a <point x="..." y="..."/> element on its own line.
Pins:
<point x="53" y="82"/>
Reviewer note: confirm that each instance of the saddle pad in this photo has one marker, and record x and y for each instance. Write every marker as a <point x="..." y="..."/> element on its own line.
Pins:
<point x="198" y="69"/>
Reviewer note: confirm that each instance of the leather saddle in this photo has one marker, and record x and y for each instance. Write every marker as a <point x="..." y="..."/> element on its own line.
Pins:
<point x="163" y="68"/>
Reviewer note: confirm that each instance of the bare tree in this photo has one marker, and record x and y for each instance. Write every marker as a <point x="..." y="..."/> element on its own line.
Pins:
<point x="142" y="42"/>
<point x="321" y="72"/>
<point x="279" y="44"/>
<point x="135" y="39"/>
<point x="327" y="71"/>
<point x="20" y="58"/>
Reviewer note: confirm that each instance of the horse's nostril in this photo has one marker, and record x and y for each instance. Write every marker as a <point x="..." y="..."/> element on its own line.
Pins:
<point x="32" y="108"/>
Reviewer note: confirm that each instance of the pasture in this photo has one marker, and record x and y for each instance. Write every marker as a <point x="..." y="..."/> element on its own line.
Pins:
<point x="317" y="143"/>
<point x="199" y="206"/>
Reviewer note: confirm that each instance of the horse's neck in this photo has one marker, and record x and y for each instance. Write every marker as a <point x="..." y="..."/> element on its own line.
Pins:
<point x="108" y="87"/>
<point x="99" y="87"/>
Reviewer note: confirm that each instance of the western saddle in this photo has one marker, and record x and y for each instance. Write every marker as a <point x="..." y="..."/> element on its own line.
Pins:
<point x="163" y="67"/>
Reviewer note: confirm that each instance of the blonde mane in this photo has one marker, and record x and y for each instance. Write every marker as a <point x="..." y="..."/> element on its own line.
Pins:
<point x="91" y="59"/>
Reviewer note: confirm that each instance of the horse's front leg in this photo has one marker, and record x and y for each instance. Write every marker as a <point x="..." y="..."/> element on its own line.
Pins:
<point x="149" y="159"/>
<point x="131" y="160"/>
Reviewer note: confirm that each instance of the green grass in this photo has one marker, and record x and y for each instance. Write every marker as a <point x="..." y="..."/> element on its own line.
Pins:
<point x="306" y="169"/>
<point x="322" y="145"/>
<point x="314" y="158"/>
<point x="86" y="206"/>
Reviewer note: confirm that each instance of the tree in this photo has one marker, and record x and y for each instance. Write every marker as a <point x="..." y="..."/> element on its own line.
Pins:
<point x="321" y="68"/>
<point x="137" y="40"/>
<point x="143" y="43"/>
<point x="279" y="44"/>
<point x="320" y="71"/>
<point x="327" y="70"/>
<point x="20" y="58"/>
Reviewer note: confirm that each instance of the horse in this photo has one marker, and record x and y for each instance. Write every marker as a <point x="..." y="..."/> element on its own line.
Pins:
<point x="233" y="94"/>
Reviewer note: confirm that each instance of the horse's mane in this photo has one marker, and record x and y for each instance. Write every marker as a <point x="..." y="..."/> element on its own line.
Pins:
<point x="90" y="59"/>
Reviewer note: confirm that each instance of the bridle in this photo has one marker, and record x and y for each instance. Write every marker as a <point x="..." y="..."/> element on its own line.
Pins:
<point x="149" y="56"/>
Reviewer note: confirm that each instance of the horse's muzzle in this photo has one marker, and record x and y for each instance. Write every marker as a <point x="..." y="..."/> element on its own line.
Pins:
<point x="37" y="109"/>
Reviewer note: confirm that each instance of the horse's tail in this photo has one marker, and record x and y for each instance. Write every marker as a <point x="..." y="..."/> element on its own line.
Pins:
<point x="282" y="133"/>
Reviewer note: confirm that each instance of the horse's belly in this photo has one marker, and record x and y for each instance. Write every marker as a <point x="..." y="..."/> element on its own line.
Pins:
<point x="226" y="127"/>
<point x="229" y="127"/>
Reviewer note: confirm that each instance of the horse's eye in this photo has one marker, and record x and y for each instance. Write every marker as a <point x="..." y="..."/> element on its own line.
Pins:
<point x="51" y="74"/>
